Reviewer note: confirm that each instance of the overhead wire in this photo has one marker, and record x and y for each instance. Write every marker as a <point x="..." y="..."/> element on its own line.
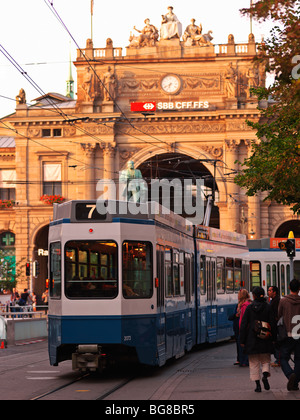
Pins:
<point x="66" y="117"/>
<point x="49" y="3"/>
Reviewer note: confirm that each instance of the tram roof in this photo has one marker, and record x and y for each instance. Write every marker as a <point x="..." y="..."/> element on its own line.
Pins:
<point x="113" y="211"/>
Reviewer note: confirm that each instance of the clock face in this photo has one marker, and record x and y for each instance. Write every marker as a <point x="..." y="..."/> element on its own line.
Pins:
<point x="171" y="84"/>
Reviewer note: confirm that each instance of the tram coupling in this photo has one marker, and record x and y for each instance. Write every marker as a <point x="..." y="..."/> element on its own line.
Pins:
<point x="88" y="357"/>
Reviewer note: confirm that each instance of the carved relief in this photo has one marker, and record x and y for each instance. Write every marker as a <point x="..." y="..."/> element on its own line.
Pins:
<point x="34" y="132"/>
<point x="238" y="126"/>
<point x="163" y="128"/>
<point x="100" y="129"/>
<point x="205" y="81"/>
<point x="216" y="152"/>
<point x="232" y="144"/>
<point x="69" y="131"/>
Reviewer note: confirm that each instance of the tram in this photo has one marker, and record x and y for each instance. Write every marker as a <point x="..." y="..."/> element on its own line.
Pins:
<point x="270" y="266"/>
<point x="145" y="287"/>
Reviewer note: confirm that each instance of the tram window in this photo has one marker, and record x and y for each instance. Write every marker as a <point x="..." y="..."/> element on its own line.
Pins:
<point x="297" y="270"/>
<point x="237" y="274"/>
<point x="137" y="270"/>
<point x="55" y="270"/>
<point x="288" y="278"/>
<point x="168" y="272"/>
<point x="86" y="275"/>
<point x="160" y="266"/>
<point x="268" y="275"/>
<point x="282" y="279"/>
<point x="176" y="277"/>
<point x="245" y="275"/>
<point x="229" y="280"/>
<point x="237" y="279"/>
<point x="274" y="275"/>
<point x="229" y="275"/>
<point x="202" y="275"/>
<point x="187" y="277"/>
<point x="255" y="274"/>
<point x="193" y="274"/>
<point x="181" y="273"/>
<point x="220" y="275"/>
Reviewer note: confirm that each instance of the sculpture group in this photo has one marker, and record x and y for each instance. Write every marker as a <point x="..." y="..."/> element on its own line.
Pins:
<point x="171" y="28"/>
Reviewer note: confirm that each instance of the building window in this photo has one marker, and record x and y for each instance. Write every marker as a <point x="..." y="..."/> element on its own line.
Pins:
<point x="52" y="179"/>
<point x="7" y="184"/>
<point x="48" y="132"/>
<point x="57" y="132"/>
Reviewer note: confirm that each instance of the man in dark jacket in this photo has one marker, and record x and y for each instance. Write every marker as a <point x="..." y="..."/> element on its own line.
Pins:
<point x="258" y="349"/>
<point x="273" y="293"/>
<point x="289" y="309"/>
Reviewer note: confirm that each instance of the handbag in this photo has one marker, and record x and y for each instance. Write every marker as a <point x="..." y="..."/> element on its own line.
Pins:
<point x="281" y="331"/>
<point x="262" y="330"/>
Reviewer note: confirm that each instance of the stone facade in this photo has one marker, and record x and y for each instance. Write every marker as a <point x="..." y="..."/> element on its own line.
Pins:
<point x="201" y="113"/>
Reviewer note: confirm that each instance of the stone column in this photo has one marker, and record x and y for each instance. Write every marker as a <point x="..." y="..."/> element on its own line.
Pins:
<point x="254" y="215"/>
<point x="109" y="152"/>
<point x="89" y="154"/>
<point x="233" y="199"/>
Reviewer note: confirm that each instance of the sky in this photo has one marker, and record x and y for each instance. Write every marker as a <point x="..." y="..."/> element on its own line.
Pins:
<point x="40" y="45"/>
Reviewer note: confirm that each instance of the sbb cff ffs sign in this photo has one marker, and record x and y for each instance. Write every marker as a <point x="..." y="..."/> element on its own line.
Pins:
<point x="143" y="106"/>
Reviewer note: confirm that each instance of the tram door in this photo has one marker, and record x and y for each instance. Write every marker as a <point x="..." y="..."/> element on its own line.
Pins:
<point x="160" y="290"/>
<point x="211" y="299"/>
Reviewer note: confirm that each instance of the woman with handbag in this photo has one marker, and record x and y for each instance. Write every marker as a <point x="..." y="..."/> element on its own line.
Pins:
<point x="257" y="337"/>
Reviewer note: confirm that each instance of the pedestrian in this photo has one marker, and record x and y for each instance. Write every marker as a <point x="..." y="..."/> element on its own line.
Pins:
<point x="243" y="302"/>
<point x="25" y="298"/>
<point x="45" y="300"/>
<point x="235" y="319"/>
<point x="257" y="333"/>
<point x="289" y="309"/>
<point x="274" y="296"/>
<point x="33" y="298"/>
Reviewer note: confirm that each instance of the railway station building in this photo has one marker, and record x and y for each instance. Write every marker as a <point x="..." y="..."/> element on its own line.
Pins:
<point x="60" y="147"/>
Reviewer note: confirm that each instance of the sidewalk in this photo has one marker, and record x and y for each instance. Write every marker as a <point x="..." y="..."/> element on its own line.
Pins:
<point x="212" y="376"/>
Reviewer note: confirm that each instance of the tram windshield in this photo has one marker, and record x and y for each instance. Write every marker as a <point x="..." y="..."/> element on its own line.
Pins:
<point x="91" y="269"/>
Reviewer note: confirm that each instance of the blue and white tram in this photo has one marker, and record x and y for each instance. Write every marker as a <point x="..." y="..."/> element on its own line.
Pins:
<point x="144" y="287"/>
<point x="270" y="266"/>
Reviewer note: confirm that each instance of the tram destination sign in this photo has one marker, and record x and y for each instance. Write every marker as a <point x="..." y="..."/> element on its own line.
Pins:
<point x="88" y="211"/>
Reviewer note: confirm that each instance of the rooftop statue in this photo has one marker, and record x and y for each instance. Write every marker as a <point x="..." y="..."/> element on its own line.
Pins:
<point x="147" y="38"/>
<point x="206" y="39"/>
<point x="192" y="34"/>
<point x="21" y="98"/>
<point x="170" y="25"/>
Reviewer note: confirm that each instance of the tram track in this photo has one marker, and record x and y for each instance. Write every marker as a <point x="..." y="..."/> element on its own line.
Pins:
<point x="62" y="390"/>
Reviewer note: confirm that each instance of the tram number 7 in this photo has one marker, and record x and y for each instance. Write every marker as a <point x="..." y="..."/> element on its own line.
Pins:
<point x="91" y="212"/>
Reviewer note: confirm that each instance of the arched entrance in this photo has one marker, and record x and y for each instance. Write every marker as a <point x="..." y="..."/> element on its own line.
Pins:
<point x="41" y="256"/>
<point x="180" y="166"/>
<point x="286" y="227"/>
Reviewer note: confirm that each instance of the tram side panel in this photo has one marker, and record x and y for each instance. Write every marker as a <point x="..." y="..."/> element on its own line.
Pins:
<point x="176" y="295"/>
<point x="222" y="270"/>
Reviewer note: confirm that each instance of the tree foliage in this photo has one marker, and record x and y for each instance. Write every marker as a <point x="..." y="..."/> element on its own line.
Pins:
<point x="274" y="166"/>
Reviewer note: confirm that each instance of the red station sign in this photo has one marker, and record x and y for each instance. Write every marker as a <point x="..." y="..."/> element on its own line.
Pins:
<point x="274" y="242"/>
<point x="143" y="106"/>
